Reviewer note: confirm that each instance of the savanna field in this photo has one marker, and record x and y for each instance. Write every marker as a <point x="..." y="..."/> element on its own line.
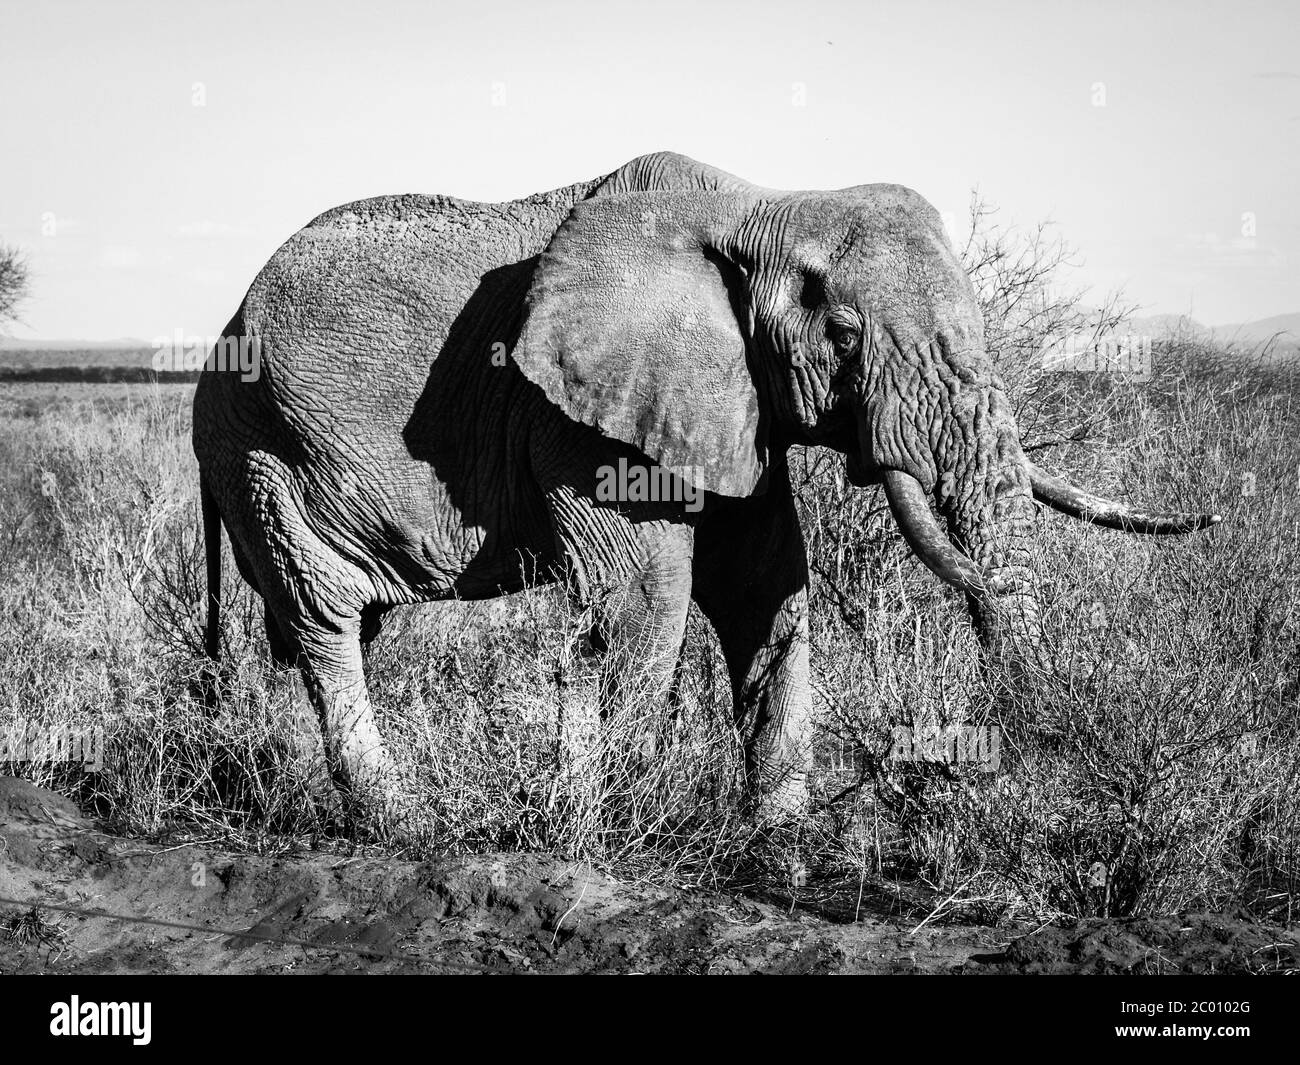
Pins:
<point x="1153" y="771"/>
<point x="1149" y="772"/>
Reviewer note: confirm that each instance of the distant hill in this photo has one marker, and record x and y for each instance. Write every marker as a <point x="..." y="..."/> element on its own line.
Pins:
<point x="1282" y="331"/>
<point x="104" y="362"/>
<point x="1286" y="324"/>
<point x="123" y="344"/>
<point x="68" y="353"/>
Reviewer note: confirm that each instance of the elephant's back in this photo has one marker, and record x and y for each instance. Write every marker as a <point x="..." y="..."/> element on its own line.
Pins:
<point x="385" y="276"/>
<point x="353" y="311"/>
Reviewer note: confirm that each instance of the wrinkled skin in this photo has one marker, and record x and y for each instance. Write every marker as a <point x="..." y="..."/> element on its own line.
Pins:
<point x="441" y="381"/>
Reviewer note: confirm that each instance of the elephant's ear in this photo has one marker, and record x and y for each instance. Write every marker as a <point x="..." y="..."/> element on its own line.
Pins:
<point x="636" y="324"/>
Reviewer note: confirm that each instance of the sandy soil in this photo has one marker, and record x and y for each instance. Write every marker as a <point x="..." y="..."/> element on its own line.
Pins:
<point x="203" y="910"/>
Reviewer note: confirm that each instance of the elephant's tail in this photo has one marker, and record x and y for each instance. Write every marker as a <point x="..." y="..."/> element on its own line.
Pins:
<point x="212" y="558"/>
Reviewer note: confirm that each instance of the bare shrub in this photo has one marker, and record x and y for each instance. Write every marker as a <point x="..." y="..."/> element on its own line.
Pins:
<point x="14" y="281"/>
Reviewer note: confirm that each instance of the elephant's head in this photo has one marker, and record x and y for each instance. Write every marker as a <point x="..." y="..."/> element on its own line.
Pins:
<point x="708" y="326"/>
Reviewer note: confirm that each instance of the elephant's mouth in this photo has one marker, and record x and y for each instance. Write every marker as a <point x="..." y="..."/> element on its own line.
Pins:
<point x="857" y="471"/>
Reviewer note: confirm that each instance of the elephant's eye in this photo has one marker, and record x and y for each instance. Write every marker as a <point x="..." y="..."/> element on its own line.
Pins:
<point x="844" y="337"/>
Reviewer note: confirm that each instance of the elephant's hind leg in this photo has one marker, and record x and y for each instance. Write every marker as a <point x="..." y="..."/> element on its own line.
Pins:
<point x="318" y="611"/>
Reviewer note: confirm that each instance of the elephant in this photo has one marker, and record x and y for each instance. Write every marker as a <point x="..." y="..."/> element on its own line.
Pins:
<point x="443" y="387"/>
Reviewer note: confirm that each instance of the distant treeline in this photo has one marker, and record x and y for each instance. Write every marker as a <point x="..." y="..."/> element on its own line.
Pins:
<point x="103" y="375"/>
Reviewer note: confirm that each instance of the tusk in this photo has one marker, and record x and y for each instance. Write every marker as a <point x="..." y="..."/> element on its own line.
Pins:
<point x="922" y="533"/>
<point x="1063" y="496"/>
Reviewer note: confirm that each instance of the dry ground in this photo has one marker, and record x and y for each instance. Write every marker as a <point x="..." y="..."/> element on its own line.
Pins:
<point x="502" y="913"/>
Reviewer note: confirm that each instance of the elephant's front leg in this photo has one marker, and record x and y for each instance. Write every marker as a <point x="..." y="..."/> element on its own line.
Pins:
<point x="631" y="567"/>
<point x="751" y="581"/>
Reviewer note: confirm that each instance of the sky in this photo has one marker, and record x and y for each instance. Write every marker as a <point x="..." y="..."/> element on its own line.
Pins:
<point x="154" y="155"/>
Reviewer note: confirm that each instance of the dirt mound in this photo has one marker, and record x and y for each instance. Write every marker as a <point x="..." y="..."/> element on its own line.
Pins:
<point x="110" y="905"/>
<point x="1202" y="943"/>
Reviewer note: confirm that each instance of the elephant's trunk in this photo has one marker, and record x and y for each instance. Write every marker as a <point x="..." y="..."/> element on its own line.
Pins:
<point x="988" y="502"/>
<point x="985" y="494"/>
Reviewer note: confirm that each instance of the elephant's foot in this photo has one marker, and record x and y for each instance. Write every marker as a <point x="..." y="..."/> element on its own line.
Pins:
<point x="375" y="792"/>
<point x="360" y="785"/>
<point x="780" y="813"/>
<point x="782" y="798"/>
<point x="327" y="803"/>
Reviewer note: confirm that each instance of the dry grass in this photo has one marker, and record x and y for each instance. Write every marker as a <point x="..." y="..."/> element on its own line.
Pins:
<point x="1155" y="770"/>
